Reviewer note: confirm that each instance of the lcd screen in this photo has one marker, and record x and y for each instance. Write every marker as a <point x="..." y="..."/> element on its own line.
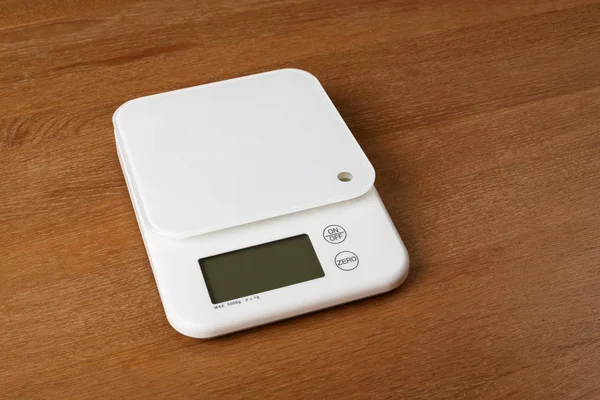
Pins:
<point x="260" y="268"/>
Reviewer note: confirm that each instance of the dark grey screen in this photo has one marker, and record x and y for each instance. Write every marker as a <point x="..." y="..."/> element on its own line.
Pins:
<point x="260" y="268"/>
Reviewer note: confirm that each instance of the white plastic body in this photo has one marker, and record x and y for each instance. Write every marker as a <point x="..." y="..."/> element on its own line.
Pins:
<point x="239" y="163"/>
<point x="370" y="234"/>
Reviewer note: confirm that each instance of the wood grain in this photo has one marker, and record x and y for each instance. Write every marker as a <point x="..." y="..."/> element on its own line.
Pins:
<point x="481" y="118"/>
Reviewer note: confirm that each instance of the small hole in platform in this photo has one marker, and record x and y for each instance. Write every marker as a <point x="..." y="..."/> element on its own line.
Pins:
<point x="345" y="176"/>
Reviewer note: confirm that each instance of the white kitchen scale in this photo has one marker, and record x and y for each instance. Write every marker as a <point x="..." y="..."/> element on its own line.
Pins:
<point x="255" y="202"/>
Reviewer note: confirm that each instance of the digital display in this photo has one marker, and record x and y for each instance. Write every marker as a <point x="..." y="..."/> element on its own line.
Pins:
<point x="260" y="268"/>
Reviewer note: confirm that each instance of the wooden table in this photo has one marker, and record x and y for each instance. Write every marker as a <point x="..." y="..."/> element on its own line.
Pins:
<point x="482" y="120"/>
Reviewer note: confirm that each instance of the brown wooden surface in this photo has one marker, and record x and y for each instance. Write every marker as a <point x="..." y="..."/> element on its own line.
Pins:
<point x="482" y="119"/>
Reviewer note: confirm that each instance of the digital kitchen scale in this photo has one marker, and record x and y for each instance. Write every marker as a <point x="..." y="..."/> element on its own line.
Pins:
<point x="255" y="202"/>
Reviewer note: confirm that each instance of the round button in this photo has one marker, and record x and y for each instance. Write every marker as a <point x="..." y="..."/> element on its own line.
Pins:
<point x="346" y="260"/>
<point x="334" y="234"/>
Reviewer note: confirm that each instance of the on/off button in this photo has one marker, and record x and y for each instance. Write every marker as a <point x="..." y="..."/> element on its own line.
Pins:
<point x="334" y="234"/>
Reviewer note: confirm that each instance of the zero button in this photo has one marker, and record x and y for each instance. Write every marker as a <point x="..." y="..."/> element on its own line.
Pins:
<point x="346" y="260"/>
